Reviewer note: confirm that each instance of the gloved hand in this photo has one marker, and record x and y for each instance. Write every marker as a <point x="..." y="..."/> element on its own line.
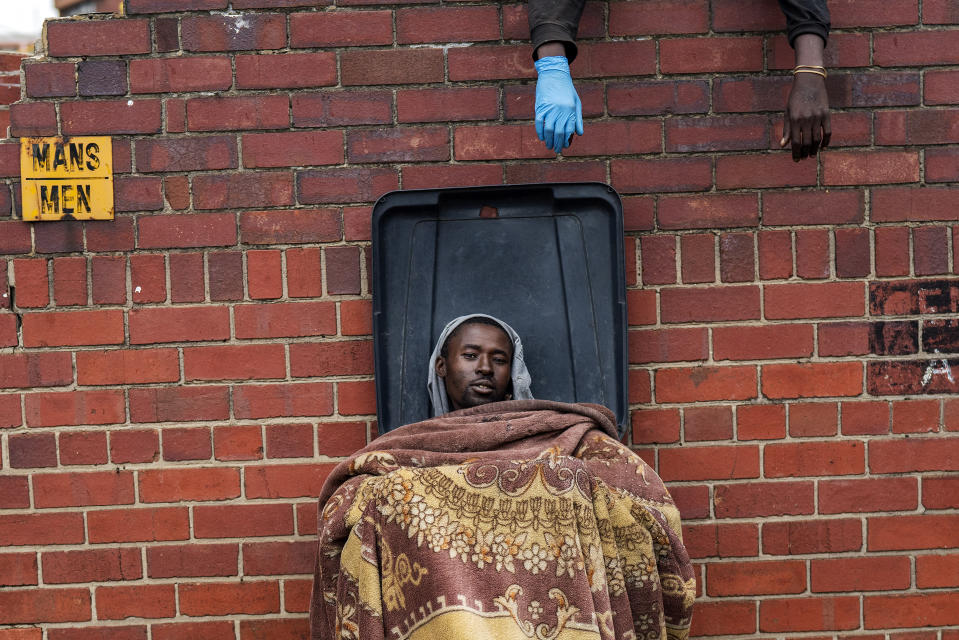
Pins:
<point x="558" y="110"/>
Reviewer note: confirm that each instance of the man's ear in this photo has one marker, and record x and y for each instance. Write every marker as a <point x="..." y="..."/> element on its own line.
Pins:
<point x="440" y="366"/>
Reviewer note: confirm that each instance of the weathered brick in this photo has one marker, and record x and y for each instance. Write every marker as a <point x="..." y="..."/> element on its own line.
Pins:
<point x="115" y="37"/>
<point x="238" y="32"/>
<point x="233" y="113"/>
<point x="341" y="29"/>
<point x="285" y="70"/>
<point x="391" y="66"/>
<point x="111" y="117"/>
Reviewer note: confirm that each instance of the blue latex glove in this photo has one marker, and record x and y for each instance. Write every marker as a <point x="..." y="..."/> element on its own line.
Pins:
<point x="559" y="112"/>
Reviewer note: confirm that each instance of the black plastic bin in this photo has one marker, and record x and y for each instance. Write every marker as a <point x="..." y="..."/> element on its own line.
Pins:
<point x="546" y="258"/>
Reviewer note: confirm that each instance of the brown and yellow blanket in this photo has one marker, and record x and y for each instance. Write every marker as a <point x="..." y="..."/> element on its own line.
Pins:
<point x="514" y="520"/>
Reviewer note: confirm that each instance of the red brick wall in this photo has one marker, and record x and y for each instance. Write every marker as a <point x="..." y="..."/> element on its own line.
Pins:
<point x="174" y="385"/>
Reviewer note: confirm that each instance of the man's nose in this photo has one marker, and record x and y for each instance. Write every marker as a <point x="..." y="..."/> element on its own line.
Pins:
<point x="484" y="365"/>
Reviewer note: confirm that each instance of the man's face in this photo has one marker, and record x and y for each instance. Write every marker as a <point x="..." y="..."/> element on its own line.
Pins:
<point x="476" y="369"/>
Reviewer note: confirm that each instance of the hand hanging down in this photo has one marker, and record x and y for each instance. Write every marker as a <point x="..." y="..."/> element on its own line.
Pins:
<point x="559" y="113"/>
<point x="806" y="124"/>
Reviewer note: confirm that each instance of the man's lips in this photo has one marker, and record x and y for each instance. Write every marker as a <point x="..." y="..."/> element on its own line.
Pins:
<point x="482" y="386"/>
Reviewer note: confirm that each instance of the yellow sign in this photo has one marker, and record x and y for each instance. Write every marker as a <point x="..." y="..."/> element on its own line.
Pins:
<point x="67" y="178"/>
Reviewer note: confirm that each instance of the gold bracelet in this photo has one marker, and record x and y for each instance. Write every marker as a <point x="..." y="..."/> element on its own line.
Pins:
<point x="821" y="74"/>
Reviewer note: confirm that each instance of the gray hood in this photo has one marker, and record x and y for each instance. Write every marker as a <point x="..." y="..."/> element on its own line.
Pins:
<point x="518" y="372"/>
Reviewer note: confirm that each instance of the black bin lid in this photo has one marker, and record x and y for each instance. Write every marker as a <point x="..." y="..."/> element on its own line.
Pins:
<point x="545" y="258"/>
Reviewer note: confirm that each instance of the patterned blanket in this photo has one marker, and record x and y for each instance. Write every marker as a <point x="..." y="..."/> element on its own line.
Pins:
<point x="514" y="520"/>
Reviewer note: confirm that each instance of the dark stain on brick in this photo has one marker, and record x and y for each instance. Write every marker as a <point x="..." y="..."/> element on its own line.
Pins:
<point x="913" y="297"/>
<point x="102" y="77"/>
<point x="894" y="338"/>
<point x="912" y="377"/>
<point x="940" y="336"/>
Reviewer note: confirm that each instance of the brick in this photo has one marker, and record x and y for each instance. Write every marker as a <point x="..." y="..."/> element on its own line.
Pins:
<point x="33" y="119"/>
<point x="391" y="66"/>
<point x="85" y="447"/>
<point x="243" y="521"/>
<point x="447" y="24"/>
<point x="283" y="400"/>
<point x="186" y="231"/>
<point x="553" y="172"/>
<point x="921" y="127"/>
<point x="148" y="278"/>
<point x="883" y="573"/>
<point x="812" y="253"/>
<point x="139" y="525"/>
<point x="177" y="192"/>
<point x="75" y="408"/>
<point x="115" y="37"/>
<point x="668" y="345"/>
<point x="27" y="370"/>
<point x="703" y="384"/>
<point x="655" y="426"/>
<point x="762" y="171"/>
<point x="356" y="317"/>
<point x="812" y="380"/>
<point x="82" y="489"/>
<point x="494" y="63"/>
<point x="492" y="142"/>
<point x="45" y="605"/>
<point x="194" y="560"/>
<point x="764" y="499"/>
<point x="942" y="165"/>
<point x="937" y="571"/>
<point x="930" y="249"/>
<point x="708" y="211"/>
<point x="721" y="540"/>
<point x="918" y="48"/>
<point x="698" y="55"/>
<point x="238" y="113"/>
<point x="180" y="485"/>
<point x="431" y="177"/>
<point x="865" y="418"/>
<point x="172" y="75"/>
<point x="225" y="270"/>
<point x="277" y="558"/>
<point x="754" y="578"/>
<point x="109" y="275"/>
<point x="141" y="601"/>
<point x="215" y="630"/>
<point x="698" y="258"/>
<point x="33" y="287"/>
<point x="913" y="455"/>
<point x="717" y="133"/>
<point x="285" y="70"/>
<point x="134" y="446"/>
<point x="15" y="492"/>
<point x="138" y="194"/>
<point x="519" y="100"/>
<point x="186" y="444"/>
<point x="911" y="377"/>
<point x="760" y="422"/>
<point x="657" y="97"/>
<point x="186" y="277"/>
<point x="659" y="16"/>
<point x="775" y="254"/>
<point x="821" y="300"/>
<point x="885" y="89"/>
<point x="709" y="463"/>
<point x="939" y="88"/>
<point x="724" y="617"/>
<point x="33" y="450"/>
<point x="239" y="32"/>
<point x="809" y="614"/>
<point x="102" y="77"/>
<point x="762" y="342"/>
<point x="797" y="459"/>
<point x="237" y="443"/>
<point x="862" y="495"/>
<point x="750" y="94"/>
<point x="304" y="274"/>
<point x="443" y="105"/>
<point x="712" y="304"/>
<point x="186" y="154"/>
<point x="633" y="175"/>
<point x="915" y="416"/>
<point x="852" y="253"/>
<point x="875" y="167"/>
<point x="658" y="259"/>
<point x="888" y="533"/>
<point x="359" y="184"/>
<point x="179" y="404"/>
<point x="940" y="493"/>
<point x="18" y="569"/>
<point x="264" y="274"/>
<point x="812" y="419"/>
<point x="289" y="441"/>
<point x="398" y="145"/>
<point x="822" y="536"/>
<point x="633" y="57"/>
<point x="285" y="320"/>
<point x="287" y="629"/>
<point x="14" y="235"/>
<point x="341" y="438"/>
<point x="179" y="324"/>
<point x="91" y="565"/>
<point x="234" y="362"/>
<point x="67" y="236"/>
<point x="70" y="281"/>
<point x="341" y="29"/>
<point x="292" y="149"/>
<point x="813" y="207"/>
<point x="356" y="398"/>
<point x="910" y="610"/>
<point x="342" y="108"/>
<point x="50" y="79"/>
<point x="353" y="357"/>
<point x="111" y="117"/>
<point x="285" y="481"/>
<point x="737" y="257"/>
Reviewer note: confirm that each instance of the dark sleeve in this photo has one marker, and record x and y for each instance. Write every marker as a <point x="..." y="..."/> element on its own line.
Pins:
<point x="555" y="20"/>
<point x="805" y="16"/>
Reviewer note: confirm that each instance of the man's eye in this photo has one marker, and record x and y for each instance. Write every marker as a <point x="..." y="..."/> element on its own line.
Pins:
<point x="469" y="356"/>
<point x="501" y="361"/>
